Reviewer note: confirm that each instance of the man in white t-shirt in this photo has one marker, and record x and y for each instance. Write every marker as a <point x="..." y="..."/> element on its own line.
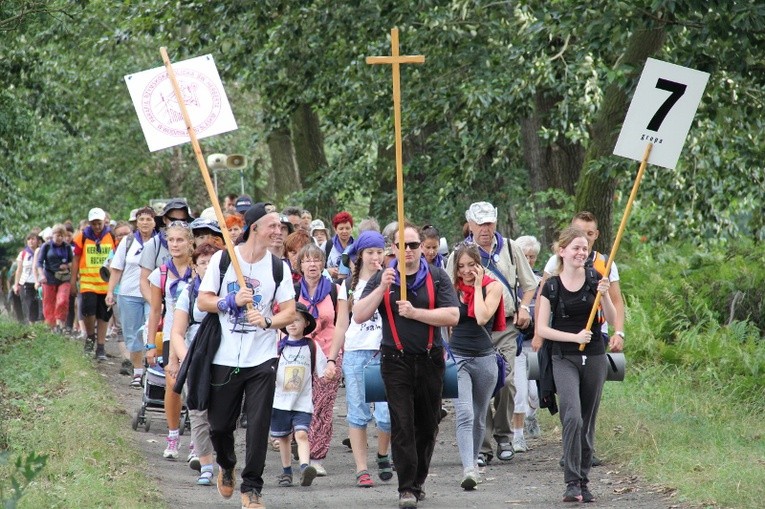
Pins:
<point x="246" y="361"/>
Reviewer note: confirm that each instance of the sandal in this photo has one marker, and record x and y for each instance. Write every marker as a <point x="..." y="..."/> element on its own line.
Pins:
<point x="364" y="480"/>
<point x="384" y="468"/>
<point x="284" y="480"/>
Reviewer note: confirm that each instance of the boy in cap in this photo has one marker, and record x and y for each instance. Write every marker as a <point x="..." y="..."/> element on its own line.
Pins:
<point x="299" y="359"/>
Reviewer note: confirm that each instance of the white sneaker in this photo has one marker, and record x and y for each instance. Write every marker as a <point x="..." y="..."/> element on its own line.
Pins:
<point x="470" y="481"/>
<point x="519" y="444"/>
<point x="171" y="452"/>
<point x="320" y="471"/>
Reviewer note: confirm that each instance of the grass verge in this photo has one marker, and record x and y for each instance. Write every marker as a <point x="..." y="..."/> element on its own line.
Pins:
<point x="684" y="436"/>
<point x="52" y="402"/>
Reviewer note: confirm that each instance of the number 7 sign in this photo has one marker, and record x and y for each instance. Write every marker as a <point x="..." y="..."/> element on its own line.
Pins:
<point x="661" y="112"/>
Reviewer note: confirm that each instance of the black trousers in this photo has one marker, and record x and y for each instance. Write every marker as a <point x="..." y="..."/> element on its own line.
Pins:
<point x="30" y="303"/>
<point x="228" y="387"/>
<point x="413" y="385"/>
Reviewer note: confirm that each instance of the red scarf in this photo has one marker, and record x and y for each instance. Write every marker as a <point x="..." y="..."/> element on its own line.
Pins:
<point x="469" y="294"/>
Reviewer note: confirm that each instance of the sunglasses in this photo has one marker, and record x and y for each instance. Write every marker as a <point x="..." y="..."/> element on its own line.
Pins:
<point x="410" y="245"/>
<point x="182" y="224"/>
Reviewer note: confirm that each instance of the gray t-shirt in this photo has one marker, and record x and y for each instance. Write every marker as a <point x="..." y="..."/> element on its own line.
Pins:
<point x="154" y="253"/>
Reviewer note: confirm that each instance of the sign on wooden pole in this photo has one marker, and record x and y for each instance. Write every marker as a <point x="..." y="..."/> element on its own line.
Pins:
<point x="656" y="125"/>
<point x="396" y="60"/>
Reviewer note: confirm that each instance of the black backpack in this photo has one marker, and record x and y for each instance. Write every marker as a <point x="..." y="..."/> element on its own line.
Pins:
<point x="558" y="308"/>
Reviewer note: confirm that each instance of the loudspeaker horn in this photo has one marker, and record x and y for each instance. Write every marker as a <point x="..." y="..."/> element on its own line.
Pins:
<point x="236" y="161"/>
<point x="216" y="161"/>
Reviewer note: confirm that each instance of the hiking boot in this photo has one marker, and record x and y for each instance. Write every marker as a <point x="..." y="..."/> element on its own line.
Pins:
<point x="252" y="500"/>
<point x="573" y="492"/>
<point x="407" y="499"/>
<point x="484" y="459"/>
<point x="100" y="353"/>
<point x="519" y="444"/>
<point x="226" y="481"/>
<point x="531" y="427"/>
<point x="384" y="468"/>
<point x="307" y="476"/>
<point x="587" y="495"/>
<point x="470" y="481"/>
<point x="364" y="480"/>
<point x="171" y="451"/>
<point x="505" y="451"/>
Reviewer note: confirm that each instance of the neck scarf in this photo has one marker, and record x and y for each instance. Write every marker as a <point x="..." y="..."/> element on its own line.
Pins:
<point x="413" y="283"/>
<point x="439" y="261"/>
<point x="178" y="278"/>
<point x="286" y="341"/>
<point x="162" y="239"/>
<point x="28" y="251"/>
<point x="468" y="291"/>
<point x="488" y="258"/>
<point x="322" y="290"/>
<point x="338" y="246"/>
<point x="89" y="234"/>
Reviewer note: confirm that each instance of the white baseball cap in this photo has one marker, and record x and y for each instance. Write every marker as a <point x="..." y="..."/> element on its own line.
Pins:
<point x="317" y="224"/>
<point x="96" y="214"/>
<point x="481" y="212"/>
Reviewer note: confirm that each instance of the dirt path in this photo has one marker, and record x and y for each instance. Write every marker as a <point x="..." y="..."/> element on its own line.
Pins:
<point x="530" y="480"/>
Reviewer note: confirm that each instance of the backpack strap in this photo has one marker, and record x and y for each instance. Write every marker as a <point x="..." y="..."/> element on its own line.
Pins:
<point x="312" y="349"/>
<point x="431" y="304"/>
<point x="225" y="261"/>
<point x="277" y="271"/>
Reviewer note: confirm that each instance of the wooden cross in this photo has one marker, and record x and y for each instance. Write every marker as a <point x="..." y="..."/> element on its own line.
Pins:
<point x="395" y="60"/>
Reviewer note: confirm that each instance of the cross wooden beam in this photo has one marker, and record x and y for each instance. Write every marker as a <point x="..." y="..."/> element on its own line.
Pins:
<point x="396" y="60"/>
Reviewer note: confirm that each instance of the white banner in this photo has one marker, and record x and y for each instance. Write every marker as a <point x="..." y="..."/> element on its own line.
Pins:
<point x="157" y="107"/>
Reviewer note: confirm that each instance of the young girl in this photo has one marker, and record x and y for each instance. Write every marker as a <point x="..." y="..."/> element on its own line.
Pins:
<point x="360" y="342"/>
<point x="186" y="320"/>
<point x="178" y="273"/>
<point x="579" y="375"/>
<point x="480" y="297"/>
<point x="430" y="244"/>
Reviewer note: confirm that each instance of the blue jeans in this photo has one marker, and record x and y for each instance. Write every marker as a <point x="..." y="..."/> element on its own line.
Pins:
<point x="133" y="313"/>
<point x="359" y="412"/>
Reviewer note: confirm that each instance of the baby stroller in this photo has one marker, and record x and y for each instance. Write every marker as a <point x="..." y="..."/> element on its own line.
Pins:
<point x="153" y="399"/>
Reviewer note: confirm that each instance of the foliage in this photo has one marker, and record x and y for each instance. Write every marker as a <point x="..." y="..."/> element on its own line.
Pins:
<point x="25" y="471"/>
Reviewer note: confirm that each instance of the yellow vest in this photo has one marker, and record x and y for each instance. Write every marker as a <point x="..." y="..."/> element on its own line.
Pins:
<point x="91" y="260"/>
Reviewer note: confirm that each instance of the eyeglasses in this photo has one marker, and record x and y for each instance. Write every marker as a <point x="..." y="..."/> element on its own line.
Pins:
<point x="317" y="262"/>
<point x="410" y="245"/>
<point x="182" y="224"/>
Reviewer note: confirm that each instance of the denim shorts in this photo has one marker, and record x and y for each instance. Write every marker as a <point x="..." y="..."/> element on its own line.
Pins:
<point x="133" y="314"/>
<point x="284" y="421"/>
<point x="359" y="411"/>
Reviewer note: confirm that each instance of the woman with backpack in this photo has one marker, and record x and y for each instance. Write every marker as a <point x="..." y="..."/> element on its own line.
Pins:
<point x="54" y="266"/>
<point x="564" y="309"/>
<point x="322" y="297"/>
<point x="480" y="299"/>
<point x="166" y="284"/>
<point x="125" y="289"/>
<point x="186" y="320"/>
<point x="360" y="342"/>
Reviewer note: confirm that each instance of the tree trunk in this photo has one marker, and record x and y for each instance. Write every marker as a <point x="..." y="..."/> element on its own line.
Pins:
<point x="283" y="178"/>
<point x="550" y="166"/>
<point x="311" y="159"/>
<point x="595" y="190"/>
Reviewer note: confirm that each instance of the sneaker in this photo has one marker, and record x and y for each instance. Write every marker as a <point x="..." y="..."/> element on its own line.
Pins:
<point x="384" y="468"/>
<point x="205" y="479"/>
<point x="519" y="444"/>
<point x="364" y="480"/>
<point x="483" y="459"/>
<point x="470" y="481"/>
<point x="171" y="452"/>
<point x="100" y="353"/>
<point x="531" y="427"/>
<point x="193" y="459"/>
<point x="505" y="451"/>
<point x="135" y="383"/>
<point x="252" y="500"/>
<point x="573" y="492"/>
<point x="90" y="344"/>
<point x="308" y="474"/>
<point x="587" y="495"/>
<point x="226" y="481"/>
<point x="284" y="480"/>
<point x="407" y="499"/>
<point x="320" y="471"/>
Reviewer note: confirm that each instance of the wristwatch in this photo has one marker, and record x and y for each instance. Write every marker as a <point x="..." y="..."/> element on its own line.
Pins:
<point x="268" y="322"/>
<point x="620" y="333"/>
